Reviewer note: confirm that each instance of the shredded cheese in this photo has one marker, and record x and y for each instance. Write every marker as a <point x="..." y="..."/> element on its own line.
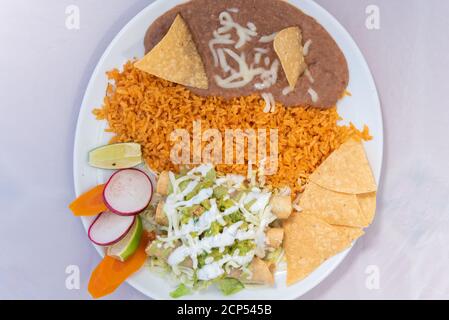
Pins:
<point x="261" y="50"/>
<point x="267" y="61"/>
<point x="269" y="77"/>
<point x="309" y="76"/>
<point x="223" y="62"/>
<point x="314" y="95"/>
<point x="251" y="26"/>
<point x="257" y="58"/>
<point x="270" y="104"/>
<point x="219" y="39"/>
<point x="267" y="100"/>
<point x="287" y="90"/>
<point x="306" y="48"/>
<point x="241" y="78"/>
<point x="273" y="104"/>
<point x="267" y="39"/>
<point x="241" y="73"/>
<point x="259" y="53"/>
<point x="244" y="34"/>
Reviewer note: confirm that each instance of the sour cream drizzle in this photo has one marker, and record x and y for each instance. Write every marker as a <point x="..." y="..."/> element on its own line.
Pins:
<point x="224" y="239"/>
<point x="215" y="269"/>
<point x="203" y="170"/>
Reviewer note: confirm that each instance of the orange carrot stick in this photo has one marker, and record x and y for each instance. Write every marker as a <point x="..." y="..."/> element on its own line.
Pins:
<point x="90" y="203"/>
<point x="111" y="273"/>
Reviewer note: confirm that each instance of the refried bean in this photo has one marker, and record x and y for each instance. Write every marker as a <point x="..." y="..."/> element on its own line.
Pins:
<point x="328" y="70"/>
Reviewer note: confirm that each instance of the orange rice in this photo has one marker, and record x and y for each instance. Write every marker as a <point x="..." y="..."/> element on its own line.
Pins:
<point x="144" y="109"/>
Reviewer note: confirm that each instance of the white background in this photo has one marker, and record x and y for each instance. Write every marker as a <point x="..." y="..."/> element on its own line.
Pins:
<point x="44" y="69"/>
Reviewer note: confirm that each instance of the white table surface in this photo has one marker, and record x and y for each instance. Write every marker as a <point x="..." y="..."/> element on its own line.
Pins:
<point x="44" y="69"/>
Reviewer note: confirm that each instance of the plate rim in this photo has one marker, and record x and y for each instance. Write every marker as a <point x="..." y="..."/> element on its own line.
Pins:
<point x="297" y="3"/>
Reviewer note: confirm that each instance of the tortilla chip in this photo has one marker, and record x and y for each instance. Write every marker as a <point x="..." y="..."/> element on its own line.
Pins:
<point x="333" y="207"/>
<point x="367" y="203"/>
<point x="351" y="233"/>
<point x="346" y="170"/>
<point x="176" y="58"/>
<point x="308" y="242"/>
<point x="288" y="46"/>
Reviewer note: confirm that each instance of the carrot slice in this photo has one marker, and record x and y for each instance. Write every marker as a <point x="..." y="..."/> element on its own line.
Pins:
<point x="111" y="273"/>
<point x="90" y="203"/>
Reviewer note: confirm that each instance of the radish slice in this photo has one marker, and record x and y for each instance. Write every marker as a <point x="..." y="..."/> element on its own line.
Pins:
<point x="128" y="192"/>
<point x="109" y="228"/>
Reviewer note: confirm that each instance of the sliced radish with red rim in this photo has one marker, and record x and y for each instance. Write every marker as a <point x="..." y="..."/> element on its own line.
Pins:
<point x="109" y="228"/>
<point x="128" y="192"/>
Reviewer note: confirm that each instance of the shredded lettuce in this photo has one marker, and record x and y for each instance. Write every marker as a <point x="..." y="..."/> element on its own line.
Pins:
<point x="183" y="185"/>
<point x="159" y="251"/>
<point x="244" y="247"/>
<point x="238" y="195"/>
<point x="202" y="185"/>
<point x="185" y="218"/>
<point x="274" y="256"/>
<point x="181" y="291"/>
<point x="214" y="253"/>
<point x="230" y="286"/>
<point x="224" y="194"/>
<point x="250" y="204"/>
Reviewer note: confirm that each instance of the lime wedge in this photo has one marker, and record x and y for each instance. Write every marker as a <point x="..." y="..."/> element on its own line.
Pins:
<point x="116" y="156"/>
<point x="126" y="247"/>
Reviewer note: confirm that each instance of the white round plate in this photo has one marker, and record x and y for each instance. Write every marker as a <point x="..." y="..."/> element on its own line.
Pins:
<point x="362" y="108"/>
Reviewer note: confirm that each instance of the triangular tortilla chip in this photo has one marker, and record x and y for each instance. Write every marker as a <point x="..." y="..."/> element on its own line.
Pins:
<point x="176" y="58"/>
<point x="333" y="207"/>
<point x="288" y="46"/>
<point x="308" y="242"/>
<point x="346" y="170"/>
<point x="351" y="233"/>
<point x="367" y="203"/>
